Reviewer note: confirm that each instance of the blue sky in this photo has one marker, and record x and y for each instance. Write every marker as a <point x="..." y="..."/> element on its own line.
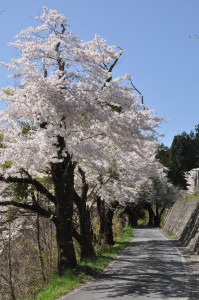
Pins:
<point x="158" y="37"/>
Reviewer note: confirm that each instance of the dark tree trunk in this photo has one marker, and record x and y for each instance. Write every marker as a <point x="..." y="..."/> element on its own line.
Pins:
<point x="106" y="214"/>
<point x="132" y="213"/>
<point x="66" y="252"/>
<point x="108" y="228"/>
<point x="133" y="218"/>
<point x="157" y="221"/>
<point x="151" y="219"/>
<point x="101" y="214"/>
<point x="157" y="216"/>
<point x="63" y="179"/>
<point x="85" y="238"/>
<point x="86" y="232"/>
<point x="151" y="215"/>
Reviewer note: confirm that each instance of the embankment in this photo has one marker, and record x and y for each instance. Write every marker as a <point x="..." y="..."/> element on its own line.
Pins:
<point x="183" y="222"/>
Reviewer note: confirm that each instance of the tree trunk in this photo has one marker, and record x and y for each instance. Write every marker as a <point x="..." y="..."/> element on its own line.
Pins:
<point x="106" y="214"/>
<point x="133" y="218"/>
<point x="108" y="228"/>
<point x="65" y="247"/>
<point x="157" y="217"/>
<point x="101" y="214"/>
<point x="63" y="179"/>
<point x="86" y="231"/>
<point x="151" y="215"/>
<point x="85" y="238"/>
<point x="157" y="221"/>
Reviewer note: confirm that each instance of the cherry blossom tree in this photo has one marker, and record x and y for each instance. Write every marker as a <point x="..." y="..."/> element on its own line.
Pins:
<point x="68" y="112"/>
<point x="119" y="189"/>
<point x="157" y="194"/>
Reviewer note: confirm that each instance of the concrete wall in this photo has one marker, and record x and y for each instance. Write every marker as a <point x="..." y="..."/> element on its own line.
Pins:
<point x="183" y="222"/>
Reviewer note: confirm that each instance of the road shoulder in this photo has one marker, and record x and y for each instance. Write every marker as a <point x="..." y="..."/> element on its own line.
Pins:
<point x="191" y="264"/>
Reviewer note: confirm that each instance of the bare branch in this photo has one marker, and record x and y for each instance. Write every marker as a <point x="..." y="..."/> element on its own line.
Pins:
<point x="142" y="97"/>
<point x="92" y="136"/>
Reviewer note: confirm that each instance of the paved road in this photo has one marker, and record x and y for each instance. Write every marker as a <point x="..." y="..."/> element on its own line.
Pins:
<point x="150" y="268"/>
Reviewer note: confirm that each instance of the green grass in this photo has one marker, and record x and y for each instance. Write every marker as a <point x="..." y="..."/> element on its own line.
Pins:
<point x="191" y="196"/>
<point x="86" y="270"/>
<point x="171" y="235"/>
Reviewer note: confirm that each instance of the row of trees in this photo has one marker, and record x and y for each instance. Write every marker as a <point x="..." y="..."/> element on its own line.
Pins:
<point x="74" y="137"/>
<point x="181" y="157"/>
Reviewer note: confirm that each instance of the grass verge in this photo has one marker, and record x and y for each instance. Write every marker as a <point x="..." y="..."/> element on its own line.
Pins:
<point x="86" y="270"/>
<point x="188" y="197"/>
<point x="171" y="235"/>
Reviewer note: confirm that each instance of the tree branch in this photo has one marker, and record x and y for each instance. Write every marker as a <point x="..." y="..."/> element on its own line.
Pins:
<point x="77" y="236"/>
<point x="60" y="61"/>
<point x="39" y="187"/>
<point x="83" y="177"/>
<point x="142" y="97"/>
<point x="162" y="211"/>
<point x="77" y="199"/>
<point x="34" y="208"/>
<point x="110" y="69"/>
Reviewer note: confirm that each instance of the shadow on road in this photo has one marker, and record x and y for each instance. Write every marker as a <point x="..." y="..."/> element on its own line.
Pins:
<point x="149" y="269"/>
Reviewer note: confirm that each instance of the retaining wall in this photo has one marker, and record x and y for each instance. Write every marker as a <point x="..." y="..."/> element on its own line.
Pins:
<point x="183" y="222"/>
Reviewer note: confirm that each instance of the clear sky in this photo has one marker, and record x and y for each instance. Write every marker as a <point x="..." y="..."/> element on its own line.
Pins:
<point x="158" y="37"/>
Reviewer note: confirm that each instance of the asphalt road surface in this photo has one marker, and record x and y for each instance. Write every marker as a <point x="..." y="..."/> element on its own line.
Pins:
<point x="149" y="268"/>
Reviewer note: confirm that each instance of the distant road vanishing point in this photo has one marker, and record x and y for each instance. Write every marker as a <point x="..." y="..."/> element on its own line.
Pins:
<point x="149" y="268"/>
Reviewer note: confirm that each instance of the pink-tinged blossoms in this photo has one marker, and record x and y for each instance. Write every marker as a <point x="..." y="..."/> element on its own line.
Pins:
<point x="67" y="89"/>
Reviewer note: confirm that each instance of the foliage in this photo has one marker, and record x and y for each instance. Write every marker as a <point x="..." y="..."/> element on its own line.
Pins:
<point x="181" y="157"/>
<point x="163" y="155"/>
<point x="171" y="235"/>
<point x="20" y="191"/>
<point x="188" y="197"/>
